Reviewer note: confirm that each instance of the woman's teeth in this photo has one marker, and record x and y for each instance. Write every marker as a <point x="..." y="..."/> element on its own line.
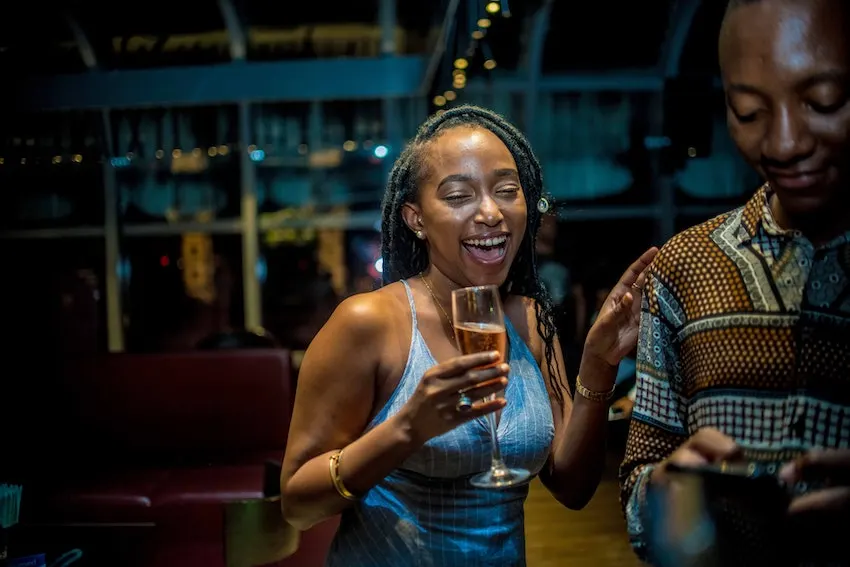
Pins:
<point x="487" y="242"/>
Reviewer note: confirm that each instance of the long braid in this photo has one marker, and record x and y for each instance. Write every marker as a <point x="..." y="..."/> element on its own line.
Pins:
<point x="404" y="255"/>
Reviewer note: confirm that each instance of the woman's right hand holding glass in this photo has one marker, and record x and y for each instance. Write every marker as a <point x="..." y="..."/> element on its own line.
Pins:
<point x="433" y="409"/>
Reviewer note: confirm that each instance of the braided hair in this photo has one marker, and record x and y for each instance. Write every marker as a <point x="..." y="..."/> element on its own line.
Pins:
<point x="404" y="255"/>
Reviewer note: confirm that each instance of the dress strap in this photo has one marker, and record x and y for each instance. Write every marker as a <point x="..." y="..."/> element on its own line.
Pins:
<point x="410" y="301"/>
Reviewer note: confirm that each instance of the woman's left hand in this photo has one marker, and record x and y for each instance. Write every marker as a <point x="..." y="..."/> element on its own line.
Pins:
<point x="614" y="333"/>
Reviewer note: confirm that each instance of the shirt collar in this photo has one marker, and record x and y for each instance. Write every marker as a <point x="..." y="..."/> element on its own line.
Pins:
<point x="757" y="217"/>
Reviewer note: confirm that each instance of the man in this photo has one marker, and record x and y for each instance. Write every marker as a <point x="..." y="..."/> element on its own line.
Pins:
<point x="744" y="351"/>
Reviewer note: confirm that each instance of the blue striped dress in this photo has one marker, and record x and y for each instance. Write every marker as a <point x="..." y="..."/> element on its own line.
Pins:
<point x="425" y="513"/>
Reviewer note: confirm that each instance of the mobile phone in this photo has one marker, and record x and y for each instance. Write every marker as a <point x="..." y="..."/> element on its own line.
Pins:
<point x="746" y="503"/>
<point x="753" y="482"/>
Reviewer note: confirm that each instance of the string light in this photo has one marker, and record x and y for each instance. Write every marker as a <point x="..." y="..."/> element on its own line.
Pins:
<point x="493" y="7"/>
<point x="450" y="95"/>
<point x="439" y="100"/>
<point x="461" y="63"/>
<point x="484" y="23"/>
<point x="489" y="60"/>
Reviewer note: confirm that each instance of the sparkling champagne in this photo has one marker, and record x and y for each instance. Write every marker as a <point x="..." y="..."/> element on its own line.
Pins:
<point x="482" y="337"/>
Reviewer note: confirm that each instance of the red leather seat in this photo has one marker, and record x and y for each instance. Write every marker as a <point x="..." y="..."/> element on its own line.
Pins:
<point x="209" y="484"/>
<point x="169" y="439"/>
<point x="120" y="496"/>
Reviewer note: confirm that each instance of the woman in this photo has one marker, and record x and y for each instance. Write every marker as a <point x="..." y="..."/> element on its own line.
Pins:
<point x="378" y="390"/>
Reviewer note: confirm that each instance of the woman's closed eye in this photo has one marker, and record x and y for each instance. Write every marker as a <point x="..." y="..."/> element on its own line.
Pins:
<point x="508" y="190"/>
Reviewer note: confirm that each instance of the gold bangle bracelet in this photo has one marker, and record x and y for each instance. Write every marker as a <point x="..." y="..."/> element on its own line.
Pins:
<point x="333" y="464"/>
<point x="592" y="395"/>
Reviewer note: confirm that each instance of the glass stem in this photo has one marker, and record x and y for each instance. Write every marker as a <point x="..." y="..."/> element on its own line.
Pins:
<point x="496" y="462"/>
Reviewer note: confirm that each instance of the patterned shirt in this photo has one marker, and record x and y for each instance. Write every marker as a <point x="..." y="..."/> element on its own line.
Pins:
<point x="745" y="328"/>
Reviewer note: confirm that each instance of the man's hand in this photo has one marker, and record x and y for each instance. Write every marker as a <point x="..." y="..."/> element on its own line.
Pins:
<point x="829" y="469"/>
<point x="708" y="445"/>
<point x="815" y="516"/>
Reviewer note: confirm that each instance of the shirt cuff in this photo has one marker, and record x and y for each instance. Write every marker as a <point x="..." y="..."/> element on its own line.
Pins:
<point x="637" y="516"/>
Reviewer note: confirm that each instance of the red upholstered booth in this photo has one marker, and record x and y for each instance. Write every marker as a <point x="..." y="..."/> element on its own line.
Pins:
<point x="161" y="444"/>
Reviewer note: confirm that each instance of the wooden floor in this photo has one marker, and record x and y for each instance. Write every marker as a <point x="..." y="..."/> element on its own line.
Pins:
<point x="595" y="536"/>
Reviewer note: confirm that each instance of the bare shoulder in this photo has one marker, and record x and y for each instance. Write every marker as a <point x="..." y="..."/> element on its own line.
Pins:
<point x="365" y="315"/>
<point x="369" y="318"/>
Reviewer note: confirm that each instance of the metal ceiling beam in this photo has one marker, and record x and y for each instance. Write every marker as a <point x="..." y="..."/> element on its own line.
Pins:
<point x="539" y="29"/>
<point x="622" y="80"/>
<point x="439" y="47"/>
<point x="87" y="53"/>
<point x="681" y="19"/>
<point x="235" y="30"/>
<point x="229" y="83"/>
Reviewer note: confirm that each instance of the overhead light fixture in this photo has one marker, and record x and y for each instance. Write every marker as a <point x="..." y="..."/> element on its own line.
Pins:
<point x="478" y="34"/>
<point x="450" y="95"/>
<point x="490" y="64"/>
<point x="439" y="100"/>
<point x="484" y="23"/>
<point x="461" y="63"/>
<point x="492" y="7"/>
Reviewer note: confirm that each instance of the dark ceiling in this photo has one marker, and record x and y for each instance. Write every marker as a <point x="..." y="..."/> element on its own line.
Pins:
<point x="582" y="36"/>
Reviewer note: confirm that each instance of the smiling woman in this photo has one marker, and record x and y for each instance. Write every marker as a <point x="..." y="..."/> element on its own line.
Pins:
<point x="388" y="442"/>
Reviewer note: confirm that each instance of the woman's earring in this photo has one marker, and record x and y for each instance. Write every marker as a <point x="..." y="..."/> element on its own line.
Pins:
<point x="543" y="205"/>
<point x="420" y="235"/>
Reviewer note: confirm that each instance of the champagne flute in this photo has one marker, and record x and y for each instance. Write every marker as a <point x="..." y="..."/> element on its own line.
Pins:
<point x="479" y="323"/>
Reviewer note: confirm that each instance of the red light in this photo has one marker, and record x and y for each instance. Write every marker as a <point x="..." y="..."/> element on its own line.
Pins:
<point x="164" y="261"/>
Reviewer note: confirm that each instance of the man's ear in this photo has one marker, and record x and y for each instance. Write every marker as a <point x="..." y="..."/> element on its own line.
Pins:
<point x="412" y="215"/>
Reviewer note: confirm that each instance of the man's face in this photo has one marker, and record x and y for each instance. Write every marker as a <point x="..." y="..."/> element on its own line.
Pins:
<point x="785" y="72"/>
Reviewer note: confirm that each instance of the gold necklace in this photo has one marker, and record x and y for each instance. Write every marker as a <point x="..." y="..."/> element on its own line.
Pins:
<point x="440" y="305"/>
